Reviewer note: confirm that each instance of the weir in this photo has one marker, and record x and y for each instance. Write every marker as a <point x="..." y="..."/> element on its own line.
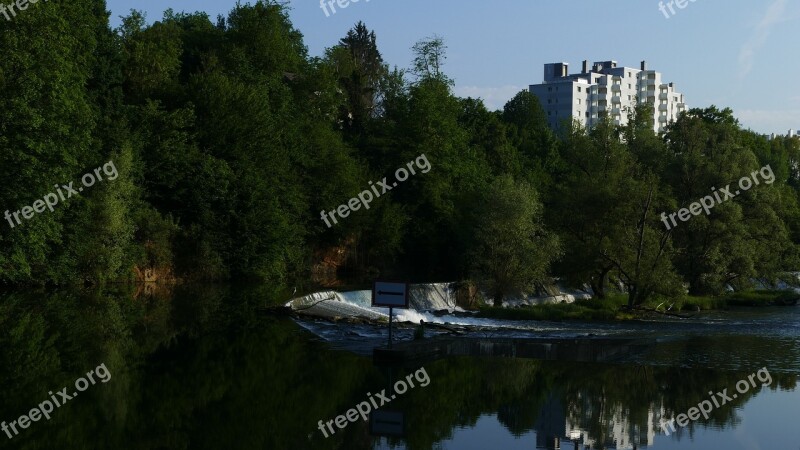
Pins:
<point x="356" y="304"/>
<point x="427" y="302"/>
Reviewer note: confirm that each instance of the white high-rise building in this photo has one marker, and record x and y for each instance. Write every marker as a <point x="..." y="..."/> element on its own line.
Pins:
<point x="605" y="89"/>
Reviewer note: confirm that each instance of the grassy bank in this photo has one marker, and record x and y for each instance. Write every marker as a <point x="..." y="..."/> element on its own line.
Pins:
<point x="747" y="298"/>
<point x="607" y="309"/>
<point x="613" y="307"/>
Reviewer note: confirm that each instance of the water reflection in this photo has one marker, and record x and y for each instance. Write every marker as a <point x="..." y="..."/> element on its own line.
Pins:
<point x="198" y="367"/>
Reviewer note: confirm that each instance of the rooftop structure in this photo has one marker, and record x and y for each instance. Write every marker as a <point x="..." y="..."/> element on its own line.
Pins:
<point x="605" y="89"/>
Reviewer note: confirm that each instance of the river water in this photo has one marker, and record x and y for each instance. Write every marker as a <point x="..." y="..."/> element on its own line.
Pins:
<point x="200" y="367"/>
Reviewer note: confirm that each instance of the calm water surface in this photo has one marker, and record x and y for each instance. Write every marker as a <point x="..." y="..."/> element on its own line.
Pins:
<point x="199" y="367"/>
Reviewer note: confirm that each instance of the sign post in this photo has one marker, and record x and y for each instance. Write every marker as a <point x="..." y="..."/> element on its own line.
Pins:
<point x="390" y="295"/>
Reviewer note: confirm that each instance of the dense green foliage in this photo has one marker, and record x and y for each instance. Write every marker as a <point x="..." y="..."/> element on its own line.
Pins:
<point x="230" y="140"/>
<point x="589" y="310"/>
<point x="613" y="307"/>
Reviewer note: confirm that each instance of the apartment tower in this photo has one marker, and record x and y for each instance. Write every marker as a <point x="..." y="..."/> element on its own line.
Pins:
<point x="603" y="89"/>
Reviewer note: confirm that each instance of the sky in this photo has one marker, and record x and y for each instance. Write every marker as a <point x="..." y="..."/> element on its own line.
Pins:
<point x="741" y="54"/>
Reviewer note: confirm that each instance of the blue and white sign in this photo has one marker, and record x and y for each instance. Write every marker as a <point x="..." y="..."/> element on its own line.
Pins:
<point x="390" y="295"/>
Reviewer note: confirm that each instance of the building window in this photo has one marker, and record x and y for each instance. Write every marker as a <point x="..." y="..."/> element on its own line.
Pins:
<point x="549" y="89"/>
<point x="579" y="101"/>
<point x="579" y="89"/>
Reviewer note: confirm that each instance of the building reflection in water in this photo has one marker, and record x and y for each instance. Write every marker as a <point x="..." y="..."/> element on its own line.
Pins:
<point x="584" y="428"/>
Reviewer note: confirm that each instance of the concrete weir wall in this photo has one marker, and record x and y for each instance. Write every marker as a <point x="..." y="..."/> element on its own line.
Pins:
<point x="433" y="296"/>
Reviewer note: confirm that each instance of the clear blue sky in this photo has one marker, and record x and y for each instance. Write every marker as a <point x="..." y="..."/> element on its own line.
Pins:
<point x="737" y="53"/>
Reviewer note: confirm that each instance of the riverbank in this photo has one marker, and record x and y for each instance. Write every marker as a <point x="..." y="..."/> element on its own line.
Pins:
<point x="614" y="307"/>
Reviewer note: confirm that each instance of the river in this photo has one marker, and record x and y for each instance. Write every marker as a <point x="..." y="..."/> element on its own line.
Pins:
<point x="201" y="367"/>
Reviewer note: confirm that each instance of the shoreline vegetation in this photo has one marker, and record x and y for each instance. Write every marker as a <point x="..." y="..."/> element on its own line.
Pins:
<point x="229" y="139"/>
<point x="614" y="307"/>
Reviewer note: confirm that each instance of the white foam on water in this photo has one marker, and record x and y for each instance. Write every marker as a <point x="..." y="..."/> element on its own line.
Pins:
<point x="424" y="300"/>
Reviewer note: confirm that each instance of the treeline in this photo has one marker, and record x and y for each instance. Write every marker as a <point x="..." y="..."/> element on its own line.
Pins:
<point x="230" y="140"/>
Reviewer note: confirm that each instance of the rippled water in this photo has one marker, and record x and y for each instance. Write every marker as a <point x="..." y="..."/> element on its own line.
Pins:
<point x="593" y="406"/>
<point x="201" y="367"/>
